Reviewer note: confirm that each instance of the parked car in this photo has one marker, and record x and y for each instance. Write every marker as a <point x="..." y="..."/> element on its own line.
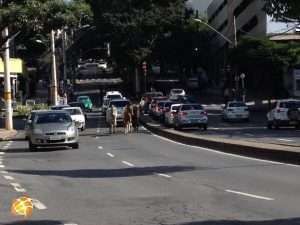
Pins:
<point x="170" y="114"/>
<point x="88" y="105"/>
<point x="58" y="107"/>
<point x="284" y="113"/>
<point x="190" y="115"/>
<point x="52" y="128"/>
<point x="77" y="116"/>
<point x="147" y="98"/>
<point x="120" y="105"/>
<point x="236" y="110"/>
<point x="174" y="93"/>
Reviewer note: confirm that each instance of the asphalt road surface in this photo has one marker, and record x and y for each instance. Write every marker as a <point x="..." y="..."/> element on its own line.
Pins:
<point x="143" y="179"/>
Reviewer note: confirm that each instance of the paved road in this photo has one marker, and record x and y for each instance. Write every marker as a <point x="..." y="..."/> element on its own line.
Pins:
<point x="143" y="179"/>
<point x="255" y="130"/>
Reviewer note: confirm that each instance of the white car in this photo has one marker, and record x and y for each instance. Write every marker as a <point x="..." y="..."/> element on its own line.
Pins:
<point x="236" y="110"/>
<point x="190" y="115"/>
<point x="170" y="114"/>
<point x="77" y="116"/>
<point x="284" y="113"/>
<point x="120" y="105"/>
<point x="174" y="93"/>
<point x="110" y="95"/>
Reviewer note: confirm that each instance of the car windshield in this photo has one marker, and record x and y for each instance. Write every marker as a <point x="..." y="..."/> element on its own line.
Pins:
<point x="177" y="91"/>
<point x="119" y="104"/>
<point x="290" y="104"/>
<point x="114" y="97"/>
<point x="53" y="118"/>
<point x="74" y="111"/>
<point x="237" y="104"/>
<point x="191" y="107"/>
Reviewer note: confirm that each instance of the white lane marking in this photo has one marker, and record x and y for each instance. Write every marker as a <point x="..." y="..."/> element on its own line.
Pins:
<point x="4" y="172"/>
<point x="128" y="163"/>
<point x="98" y="130"/>
<point x="97" y="137"/>
<point x="8" y="177"/>
<point x="224" y="153"/>
<point x="100" y="147"/>
<point x="37" y="204"/>
<point x="2" y="153"/>
<point x="2" y="166"/>
<point x="18" y="187"/>
<point x="110" y="155"/>
<point x="163" y="175"/>
<point x="285" y="140"/>
<point x="70" y="224"/>
<point x="249" y="195"/>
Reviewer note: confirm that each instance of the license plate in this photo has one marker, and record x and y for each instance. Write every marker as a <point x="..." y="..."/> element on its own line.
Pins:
<point x="55" y="138"/>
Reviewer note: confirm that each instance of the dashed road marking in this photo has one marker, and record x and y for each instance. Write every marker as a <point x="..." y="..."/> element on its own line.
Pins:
<point x="38" y="205"/>
<point x="128" y="163"/>
<point x="70" y="224"/>
<point x="110" y="155"/>
<point x="285" y="140"/>
<point x="97" y="137"/>
<point x="18" y="187"/>
<point x="249" y="195"/>
<point x="100" y="147"/>
<point x="4" y="172"/>
<point x="2" y="153"/>
<point x="8" y="177"/>
<point x="2" y="166"/>
<point x="163" y="175"/>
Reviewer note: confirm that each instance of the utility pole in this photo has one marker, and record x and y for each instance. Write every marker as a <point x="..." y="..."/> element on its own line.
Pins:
<point x="64" y="42"/>
<point x="53" y="72"/>
<point x="7" y="85"/>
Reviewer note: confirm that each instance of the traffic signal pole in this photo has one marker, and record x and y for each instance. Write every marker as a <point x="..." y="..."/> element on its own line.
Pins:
<point x="54" y="96"/>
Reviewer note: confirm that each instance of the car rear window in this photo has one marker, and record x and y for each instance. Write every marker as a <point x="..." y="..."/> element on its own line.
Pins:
<point x="291" y="104"/>
<point x="177" y="91"/>
<point x="74" y="111"/>
<point x="119" y="104"/>
<point x="191" y="107"/>
<point x="53" y="118"/>
<point x="237" y="104"/>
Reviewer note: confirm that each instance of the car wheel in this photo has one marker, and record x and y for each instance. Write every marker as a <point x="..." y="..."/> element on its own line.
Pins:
<point x="75" y="146"/>
<point x="270" y="125"/>
<point x="32" y="147"/>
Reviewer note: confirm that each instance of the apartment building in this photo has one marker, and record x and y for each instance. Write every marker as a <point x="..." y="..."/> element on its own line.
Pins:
<point x="243" y="17"/>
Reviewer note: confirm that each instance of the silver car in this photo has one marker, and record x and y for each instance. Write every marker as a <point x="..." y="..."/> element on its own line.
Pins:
<point x="52" y="128"/>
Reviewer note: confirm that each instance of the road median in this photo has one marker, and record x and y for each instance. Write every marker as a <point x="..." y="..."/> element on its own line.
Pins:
<point x="274" y="152"/>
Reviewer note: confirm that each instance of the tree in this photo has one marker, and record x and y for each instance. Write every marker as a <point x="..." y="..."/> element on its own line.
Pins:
<point x="283" y="10"/>
<point x="265" y="63"/>
<point x="134" y="26"/>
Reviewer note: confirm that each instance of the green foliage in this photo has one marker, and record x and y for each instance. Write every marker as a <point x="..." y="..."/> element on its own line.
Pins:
<point x="23" y="110"/>
<point x="133" y="27"/>
<point x="264" y="62"/>
<point x="283" y="9"/>
<point x="40" y="107"/>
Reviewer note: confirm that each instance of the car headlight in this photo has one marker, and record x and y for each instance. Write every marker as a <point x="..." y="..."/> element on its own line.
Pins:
<point x="71" y="129"/>
<point x="37" y="131"/>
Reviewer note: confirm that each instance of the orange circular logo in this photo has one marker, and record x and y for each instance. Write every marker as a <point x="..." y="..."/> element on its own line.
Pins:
<point x="22" y="207"/>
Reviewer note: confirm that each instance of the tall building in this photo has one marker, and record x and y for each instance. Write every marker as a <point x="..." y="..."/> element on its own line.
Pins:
<point x="246" y="17"/>
<point x="199" y="6"/>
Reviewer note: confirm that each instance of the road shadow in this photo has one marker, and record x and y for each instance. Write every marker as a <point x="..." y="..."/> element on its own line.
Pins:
<point x="27" y="150"/>
<point x="290" y="221"/>
<point x="36" y="222"/>
<point x="108" y="173"/>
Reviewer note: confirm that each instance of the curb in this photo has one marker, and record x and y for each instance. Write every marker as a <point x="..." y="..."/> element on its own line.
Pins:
<point x="282" y="156"/>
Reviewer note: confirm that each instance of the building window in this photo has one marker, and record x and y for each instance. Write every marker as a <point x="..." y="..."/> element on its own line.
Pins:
<point x="298" y="85"/>
<point x="241" y="7"/>
<point x="216" y="13"/>
<point x="248" y="26"/>
<point x="223" y="25"/>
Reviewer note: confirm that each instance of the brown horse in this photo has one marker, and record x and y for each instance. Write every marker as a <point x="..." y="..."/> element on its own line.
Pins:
<point x="136" y="117"/>
<point x="127" y="120"/>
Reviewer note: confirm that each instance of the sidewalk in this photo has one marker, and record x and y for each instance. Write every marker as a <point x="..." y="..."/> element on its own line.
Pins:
<point x="7" y="135"/>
